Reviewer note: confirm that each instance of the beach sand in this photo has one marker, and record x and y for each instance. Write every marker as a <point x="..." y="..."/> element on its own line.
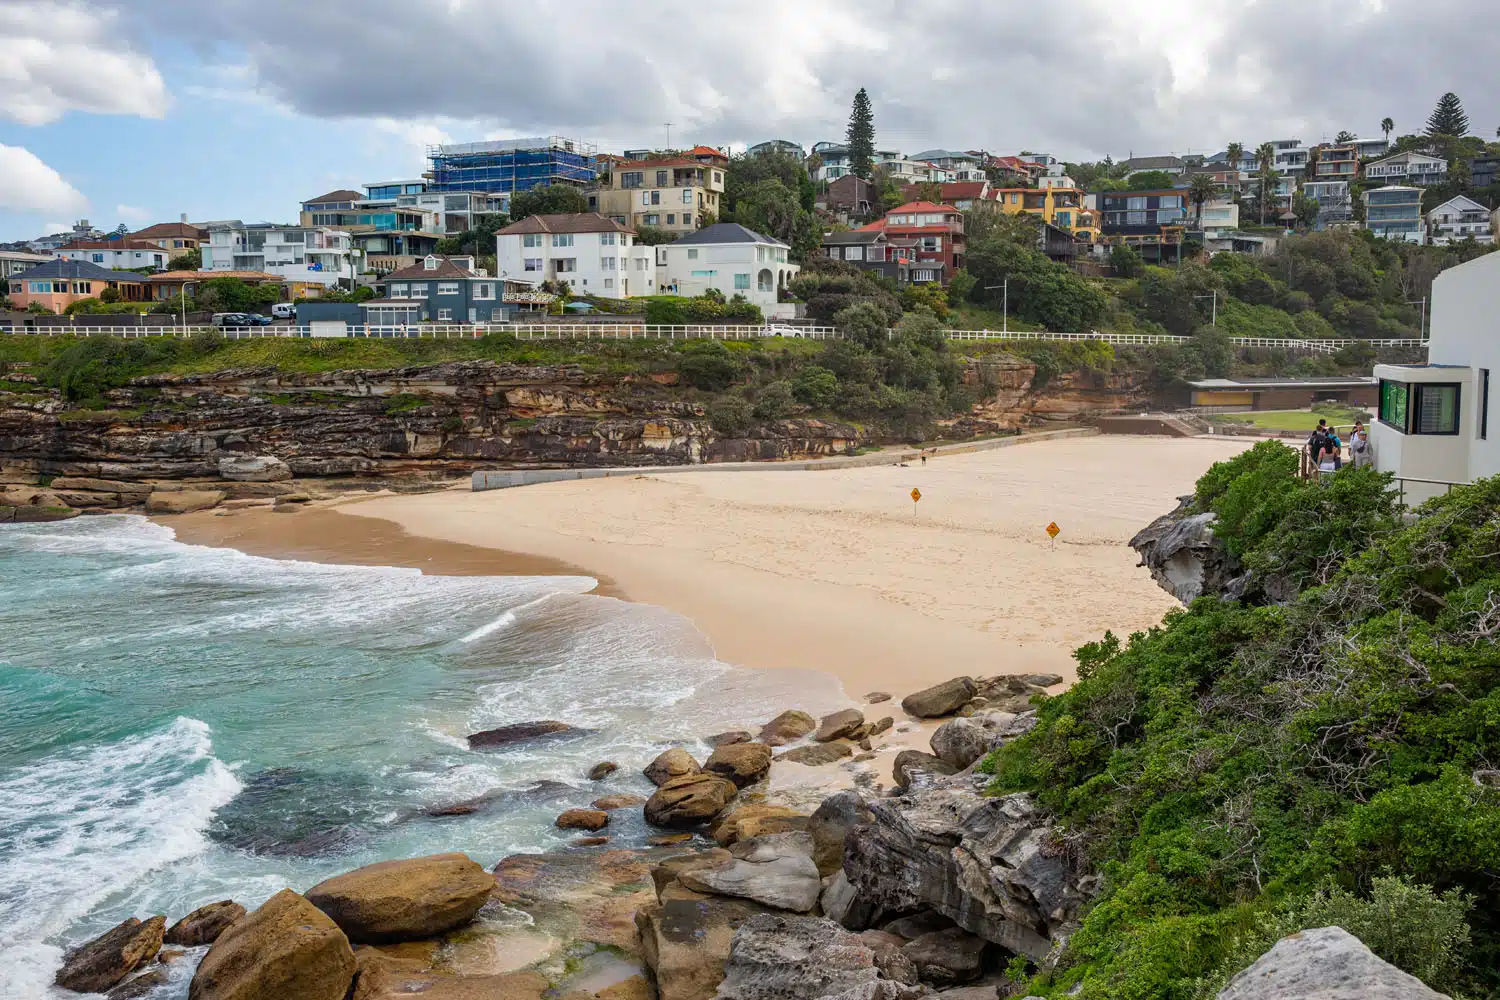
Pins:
<point x="838" y="571"/>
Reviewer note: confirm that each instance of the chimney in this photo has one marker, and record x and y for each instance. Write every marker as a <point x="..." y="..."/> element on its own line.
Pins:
<point x="183" y="218"/>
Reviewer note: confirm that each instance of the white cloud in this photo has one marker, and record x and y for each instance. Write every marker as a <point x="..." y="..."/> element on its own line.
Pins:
<point x="57" y="57"/>
<point x="29" y="185"/>
<point x="132" y="213"/>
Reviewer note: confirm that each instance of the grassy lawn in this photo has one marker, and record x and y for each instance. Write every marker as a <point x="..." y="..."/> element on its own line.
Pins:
<point x="1285" y="420"/>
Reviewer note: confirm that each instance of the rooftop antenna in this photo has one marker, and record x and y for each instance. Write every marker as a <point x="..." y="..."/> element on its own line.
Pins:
<point x="669" y="136"/>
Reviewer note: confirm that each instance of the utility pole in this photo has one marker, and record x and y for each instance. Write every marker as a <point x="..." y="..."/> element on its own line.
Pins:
<point x="1004" y="287"/>
<point x="1215" y="296"/>
<point x="1421" y="323"/>
<point x="669" y="137"/>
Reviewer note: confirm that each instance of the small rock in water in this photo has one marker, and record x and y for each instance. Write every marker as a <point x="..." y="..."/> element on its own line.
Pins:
<point x="669" y="839"/>
<point x="583" y="819"/>
<point x="839" y="725"/>
<point x="669" y="764"/>
<point x="882" y="725"/>
<point x="608" y="802"/>
<point x="788" y="727"/>
<point x="110" y="957"/>
<point x="733" y="736"/>
<point x="590" y="841"/>
<point x="914" y="762"/>
<point x="602" y="770"/>
<point x="205" y="924"/>
<point x="876" y="697"/>
<point x="519" y="733"/>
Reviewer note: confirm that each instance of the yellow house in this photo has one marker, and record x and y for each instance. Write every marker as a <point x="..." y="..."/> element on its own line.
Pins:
<point x="674" y="194"/>
<point x="1058" y="206"/>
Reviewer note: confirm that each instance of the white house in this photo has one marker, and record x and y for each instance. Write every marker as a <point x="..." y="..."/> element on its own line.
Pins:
<point x="1435" y="426"/>
<point x="730" y="258"/>
<point x="117" y="255"/>
<point x="1409" y="167"/>
<point x="1219" y="217"/>
<point x="595" y="255"/>
<point x="1459" y="219"/>
<point x="296" y="253"/>
<point x="834" y="157"/>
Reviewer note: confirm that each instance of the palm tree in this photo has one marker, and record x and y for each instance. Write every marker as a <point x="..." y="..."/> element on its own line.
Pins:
<point x="1200" y="189"/>
<point x="1233" y="153"/>
<point x="1387" y="126"/>
<point x="1265" y="155"/>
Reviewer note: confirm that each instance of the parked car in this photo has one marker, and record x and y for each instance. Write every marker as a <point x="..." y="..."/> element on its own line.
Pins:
<point x="258" y="319"/>
<point x="284" y="310"/>
<point x="783" y="331"/>
<point x="229" y="319"/>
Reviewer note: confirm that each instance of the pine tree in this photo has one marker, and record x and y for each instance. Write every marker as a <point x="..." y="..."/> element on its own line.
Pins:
<point x="861" y="136"/>
<point x="1448" y="117"/>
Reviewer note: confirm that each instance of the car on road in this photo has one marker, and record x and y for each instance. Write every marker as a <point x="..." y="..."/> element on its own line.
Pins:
<point x="783" y="331"/>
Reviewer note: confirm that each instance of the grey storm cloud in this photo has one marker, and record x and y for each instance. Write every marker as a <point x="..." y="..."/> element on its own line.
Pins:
<point x="1079" y="79"/>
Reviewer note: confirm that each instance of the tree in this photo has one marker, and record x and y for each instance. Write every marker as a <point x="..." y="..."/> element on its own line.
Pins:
<point x="190" y="260"/>
<point x="1448" y="118"/>
<point x="1200" y="190"/>
<point x="554" y="199"/>
<point x="1387" y="126"/>
<point x="860" y="138"/>
<point x="1305" y="208"/>
<point x="109" y="296"/>
<point x="930" y="191"/>
<point x="651" y="236"/>
<point x="1233" y="154"/>
<point x="1148" y="180"/>
<point x="1265" y="155"/>
<point x="1345" y="137"/>
<point x="1127" y="261"/>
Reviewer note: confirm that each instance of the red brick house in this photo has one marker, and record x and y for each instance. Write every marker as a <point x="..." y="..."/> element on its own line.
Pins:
<point x="932" y="233"/>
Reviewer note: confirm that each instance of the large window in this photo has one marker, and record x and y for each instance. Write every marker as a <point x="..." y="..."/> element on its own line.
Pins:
<point x="562" y="239"/>
<point x="531" y="240"/>
<point x="1436" y="410"/>
<point x="1393" y="396"/>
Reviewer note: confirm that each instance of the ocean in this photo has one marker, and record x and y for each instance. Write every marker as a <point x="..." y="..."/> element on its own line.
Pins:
<point x="181" y="724"/>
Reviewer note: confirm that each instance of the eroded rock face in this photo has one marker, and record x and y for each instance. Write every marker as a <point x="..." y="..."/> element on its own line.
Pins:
<point x="960" y="742"/>
<point x="101" y="963"/>
<point x="404" y="900"/>
<point x="205" y="924"/>
<point x="1328" y="963"/>
<point x="287" y="948"/>
<point x="776" y="870"/>
<point x="947" y="957"/>
<point x="775" y="957"/>
<point x="830" y="825"/>
<point x="755" y="819"/>
<point x="1186" y="559"/>
<point x="183" y="501"/>
<point x="987" y="864"/>
<point x="254" y="469"/>
<point x="912" y="765"/>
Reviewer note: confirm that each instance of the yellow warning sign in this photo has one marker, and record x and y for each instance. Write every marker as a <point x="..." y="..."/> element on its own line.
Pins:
<point x="1053" y="529"/>
<point x="916" y="494"/>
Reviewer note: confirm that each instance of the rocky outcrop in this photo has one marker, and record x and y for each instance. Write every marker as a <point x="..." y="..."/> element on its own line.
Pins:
<point x="287" y="948"/>
<point x="1187" y="559"/>
<point x="253" y="469"/>
<point x="912" y="765"/>
<point x="1328" y="963"/>
<point x="991" y="865"/>
<point x="404" y="900"/>
<point x="521" y="732"/>
<point x="830" y="826"/>
<point x="755" y="819"/>
<point x="841" y="725"/>
<point x="777" y="957"/>
<point x="961" y="742"/>
<point x="689" y="800"/>
<point x="788" y="727"/>
<point x="742" y="763"/>
<point x="776" y="870"/>
<point x="205" y="924"/>
<point x="947" y="957"/>
<point x="673" y="763"/>
<point x="940" y="699"/>
<point x="110" y="957"/>
<point x="183" y="501"/>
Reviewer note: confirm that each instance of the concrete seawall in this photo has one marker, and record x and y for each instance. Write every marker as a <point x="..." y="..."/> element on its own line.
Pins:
<point x="502" y="479"/>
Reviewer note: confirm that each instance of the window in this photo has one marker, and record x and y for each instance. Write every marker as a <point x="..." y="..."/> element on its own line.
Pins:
<point x="932" y="244"/>
<point x="606" y="239"/>
<point x="531" y="240"/>
<point x="653" y="220"/>
<point x="609" y="282"/>
<point x="656" y="197"/>
<point x="419" y="290"/>
<point x="484" y="290"/>
<point x="661" y="178"/>
<point x="609" y="263"/>
<point x="718" y="177"/>
<point x="397" y="292"/>
<point x="640" y="263"/>
<point x="854" y="253"/>
<point x="741" y="282"/>
<point x="704" y="274"/>
<point x="1484" y="403"/>
<point x="532" y="264"/>
<point x="692" y="253"/>
<point x="447" y="288"/>
<point x="632" y="179"/>
<point x="687" y="196"/>
<point x="445" y="315"/>
<point x="562" y="239"/>
<point x="565" y="264"/>
<point x="1436" y="409"/>
<point x="1393" y="404"/>
<point x="671" y="219"/>
<point x="97" y="258"/>
<point x="430" y="264"/>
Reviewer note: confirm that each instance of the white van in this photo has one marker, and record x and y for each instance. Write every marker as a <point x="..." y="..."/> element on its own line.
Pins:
<point x="284" y="310"/>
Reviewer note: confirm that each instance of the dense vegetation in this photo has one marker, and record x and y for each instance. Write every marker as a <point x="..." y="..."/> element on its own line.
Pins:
<point x="1248" y="769"/>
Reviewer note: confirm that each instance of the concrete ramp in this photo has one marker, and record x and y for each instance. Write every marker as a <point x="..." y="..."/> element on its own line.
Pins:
<point x="1168" y="424"/>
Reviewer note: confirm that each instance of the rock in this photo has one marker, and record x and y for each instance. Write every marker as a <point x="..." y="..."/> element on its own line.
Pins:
<point x="1043" y="680"/>
<point x="776" y="870"/>
<point x="35" y="514"/>
<point x="991" y="865"/>
<point x="404" y="900"/>
<point x="1328" y="963"/>
<point x="841" y="904"/>
<point x="829" y="827"/>
<point x="590" y="841"/>
<point x="940" y="699"/>
<point x="673" y="763"/>
<point x="742" y="763"/>
<point x="101" y="963"/>
<point x="839" y="725"/>
<point x="137" y="490"/>
<point x="612" y="802"/>
<point x="183" y="501"/>
<point x="686" y="938"/>
<point x="205" y="924"/>
<point x="521" y="732"/>
<point x="669" y="839"/>
<point x="284" y="499"/>
<point x="666" y="874"/>
<point x="689" y="800"/>
<point x="602" y="770"/>
<point x="947" y="957"/>
<point x="81" y="499"/>
<point x="780" y="957"/>
<point x="287" y="948"/>
<point x="816" y="754"/>
<point x="915" y="762"/>
<point x="169" y="955"/>
<point x="583" y="819"/>
<point x="881" y="725"/>
<point x="756" y="819"/>
<point x="140" y="986"/>
<point x="911" y="927"/>
<point x="876" y="697"/>
<point x="788" y="727"/>
<point x="1187" y="559"/>
<point x="960" y="742"/>
<point x="286" y="508"/>
<point x="733" y="736"/>
<point x="889" y="958"/>
<point x="253" y="469"/>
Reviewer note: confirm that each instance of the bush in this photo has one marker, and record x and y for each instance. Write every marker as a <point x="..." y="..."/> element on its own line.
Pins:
<point x="109" y="296"/>
<point x="815" y="386"/>
<point x="708" y="365"/>
<point x="731" y="416"/>
<point x="676" y="310"/>
<point x="775" y="401"/>
<point x="864" y="323"/>
<point x="1126" y="261"/>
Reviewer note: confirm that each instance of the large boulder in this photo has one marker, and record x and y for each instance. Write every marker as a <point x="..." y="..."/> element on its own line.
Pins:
<point x="776" y="870"/>
<point x="1328" y="963"/>
<point x="777" y="957"/>
<point x="669" y="764"/>
<point x="960" y="742"/>
<point x="755" y="819"/>
<point x="1187" y="559"/>
<point x="689" y="800"/>
<point x="101" y="963"/>
<point x="992" y="865"/>
<point x="205" y="924"/>
<point x="829" y="827"/>
<point x="686" y="938"/>
<point x="404" y="900"/>
<point x="742" y="763"/>
<point x="18" y="514"/>
<point x="947" y="957"/>
<point x="287" y="949"/>
<point x="583" y="819"/>
<point x="183" y="501"/>
<point x="521" y="732"/>
<point x="253" y="469"/>
<point x="841" y="904"/>
<point x="840" y="725"/>
<point x="940" y="699"/>
<point x="816" y="754"/>
<point x="788" y="727"/>
<point x="912" y="765"/>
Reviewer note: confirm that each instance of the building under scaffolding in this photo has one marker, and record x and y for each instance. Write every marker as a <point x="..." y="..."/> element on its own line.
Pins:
<point x="510" y="165"/>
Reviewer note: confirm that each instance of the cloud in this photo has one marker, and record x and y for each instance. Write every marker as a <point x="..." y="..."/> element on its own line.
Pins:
<point x="131" y="213"/>
<point x="29" y="185"/>
<point x="57" y="57"/>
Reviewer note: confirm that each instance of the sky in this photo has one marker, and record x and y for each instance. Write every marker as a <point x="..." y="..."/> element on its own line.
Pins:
<point x="139" y="111"/>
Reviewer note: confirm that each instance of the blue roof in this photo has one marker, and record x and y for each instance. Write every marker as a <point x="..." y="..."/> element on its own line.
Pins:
<point x="78" y="269"/>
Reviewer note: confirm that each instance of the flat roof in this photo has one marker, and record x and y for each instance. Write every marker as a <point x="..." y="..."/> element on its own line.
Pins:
<point x="1422" y="364"/>
<point x="1331" y="382"/>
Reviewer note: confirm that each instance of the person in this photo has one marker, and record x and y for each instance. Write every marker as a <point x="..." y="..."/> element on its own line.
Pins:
<point x="1359" y="445"/>
<point x="1317" y="443"/>
<point x="1335" y="449"/>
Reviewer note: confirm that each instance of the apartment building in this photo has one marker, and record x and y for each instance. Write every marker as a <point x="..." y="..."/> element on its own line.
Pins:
<point x="1484" y="171"/>
<point x="905" y="170"/>
<point x="729" y="258"/>
<point x="1409" y="167"/>
<point x="313" y="255"/>
<point x="1149" y="220"/>
<point x="1062" y="207"/>
<point x="593" y="254"/>
<point x="1291" y="157"/>
<point x="16" y="261"/>
<point x="1336" y="162"/>
<point x="1335" y="205"/>
<point x="833" y="162"/>
<point x="1395" y="213"/>
<point x="1219" y="218"/>
<point x="507" y="166"/>
<point x="672" y="194"/>
<point x="959" y="164"/>
<point x="1459" y="219"/>
<point x="1371" y="149"/>
<point x="777" y="146"/>
<point x="962" y="195"/>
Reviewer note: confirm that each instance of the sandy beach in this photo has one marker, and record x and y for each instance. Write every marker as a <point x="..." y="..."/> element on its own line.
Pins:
<point x="838" y="571"/>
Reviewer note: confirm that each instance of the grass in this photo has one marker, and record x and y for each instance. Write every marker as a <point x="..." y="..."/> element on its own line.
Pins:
<point x="1286" y="420"/>
<point x="968" y="316"/>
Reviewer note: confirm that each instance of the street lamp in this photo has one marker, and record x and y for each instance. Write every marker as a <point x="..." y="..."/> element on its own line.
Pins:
<point x="1422" y="323"/>
<point x="1004" y="287"/>
<point x="1215" y="296"/>
<point x="184" y="305"/>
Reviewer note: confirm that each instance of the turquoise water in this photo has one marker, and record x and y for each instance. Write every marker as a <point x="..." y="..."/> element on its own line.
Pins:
<point x="181" y="724"/>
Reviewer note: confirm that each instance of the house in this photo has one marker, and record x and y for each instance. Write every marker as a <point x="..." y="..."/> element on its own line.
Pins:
<point x="1484" y="171"/>
<point x="1371" y="149"/>
<point x="674" y="193"/>
<point x="777" y="146"/>
<point x="1169" y="165"/>
<point x="1291" y="157"/>
<point x="1220" y="161"/>
<point x="16" y="261"/>
<point x="963" y="195"/>
<point x="873" y="250"/>
<point x="1457" y="219"/>
<point x="351" y="212"/>
<point x="1219" y="217"/>
<point x="1010" y="170"/>
<point x="59" y="283"/>
<point x="929" y="233"/>
<point x="81" y="231"/>
<point x="594" y="255"/>
<point x="1395" y="213"/>
<point x="1150" y="220"/>
<point x="120" y="255"/>
<point x="848" y="197"/>
<point x="510" y="165"/>
<point x="387" y="250"/>
<point x="437" y="289"/>
<point x="449" y="212"/>
<point x="833" y="161"/>
<point x="1258" y="393"/>
<point x="1437" y="420"/>
<point x="311" y="255"/>
<point x="1058" y="206"/>
<point x="1409" y="167"/>
<point x="1335" y="205"/>
<point x="707" y="155"/>
<point x="905" y="170"/>
<point x="729" y="258"/>
<point x="1336" y="162"/>
<point x="960" y="165"/>
<point x="179" y="237"/>
<point x="170" y="284"/>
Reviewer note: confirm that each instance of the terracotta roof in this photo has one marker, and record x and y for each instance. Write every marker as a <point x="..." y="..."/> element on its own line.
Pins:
<point x="111" y="245"/>
<point x="172" y="229"/>
<point x="952" y="190"/>
<point x="920" y="206"/>
<point x="581" y="222"/>
<point x="171" y="276"/>
<point x="935" y="230"/>
<point x="342" y="194"/>
<point x="445" y="269"/>
<point x="706" y="151"/>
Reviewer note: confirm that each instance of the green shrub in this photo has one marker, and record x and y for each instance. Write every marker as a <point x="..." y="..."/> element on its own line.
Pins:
<point x="815" y="386"/>
<point x="731" y="416"/>
<point x="775" y="401"/>
<point x="708" y="365"/>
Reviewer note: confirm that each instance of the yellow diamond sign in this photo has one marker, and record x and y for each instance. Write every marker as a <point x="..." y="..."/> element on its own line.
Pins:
<point x="916" y="494"/>
<point x="1053" y="529"/>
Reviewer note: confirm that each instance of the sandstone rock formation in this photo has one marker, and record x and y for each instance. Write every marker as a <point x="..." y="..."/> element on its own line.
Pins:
<point x="1328" y="963"/>
<point x="183" y="501"/>
<point x="602" y="770"/>
<point x="521" y="732"/>
<point x="732" y="736"/>
<point x="830" y="825"/>
<point x="253" y="468"/>
<point x="689" y="800"/>
<point x="755" y="819"/>
<point x="776" y="957"/>
<point x="404" y="900"/>
<point x="205" y="924"/>
<point x="788" y="727"/>
<point x="947" y="957"/>
<point x="816" y="754"/>
<point x="940" y="699"/>
<point x="622" y="801"/>
<point x="742" y="763"/>
<point x="840" y="725"/>
<point x="961" y="742"/>
<point x="671" y="764"/>
<point x="911" y="765"/>
<point x="1185" y="557"/>
<point x="583" y="819"/>
<point x="287" y="948"/>
<point x="776" y="870"/>
<point x="101" y="963"/>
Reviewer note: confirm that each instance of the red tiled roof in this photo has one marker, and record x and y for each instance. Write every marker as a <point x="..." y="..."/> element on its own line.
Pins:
<point x="921" y="206"/>
<point x="342" y="194"/>
<point x="162" y="230"/>
<point x="706" y="151"/>
<point x="666" y="161"/>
